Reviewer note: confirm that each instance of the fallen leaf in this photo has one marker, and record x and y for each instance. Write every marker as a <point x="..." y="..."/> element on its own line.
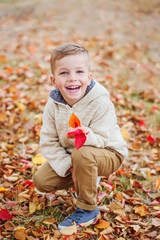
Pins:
<point x="5" y="215"/>
<point x="156" y="222"/>
<point x="142" y="210"/>
<point x="32" y="207"/>
<point x="157" y="184"/>
<point x="101" y="195"/>
<point x="9" y="226"/>
<point x="49" y="221"/>
<point x="108" y="230"/>
<point x="39" y="159"/>
<point x="20" y="234"/>
<point x="3" y="189"/>
<point x="69" y="230"/>
<point x="102" y="224"/>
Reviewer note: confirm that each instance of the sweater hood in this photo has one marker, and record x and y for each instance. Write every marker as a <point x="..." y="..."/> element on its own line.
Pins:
<point x="94" y="90"/>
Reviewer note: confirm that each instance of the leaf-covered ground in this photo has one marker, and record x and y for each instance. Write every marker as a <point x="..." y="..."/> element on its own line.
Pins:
<point x="123" y="41"/>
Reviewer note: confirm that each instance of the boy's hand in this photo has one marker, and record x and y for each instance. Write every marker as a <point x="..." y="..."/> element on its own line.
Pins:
<point x="74" y="131"/>
<point x="79" y="134"/>
<point x="72" y="170"/>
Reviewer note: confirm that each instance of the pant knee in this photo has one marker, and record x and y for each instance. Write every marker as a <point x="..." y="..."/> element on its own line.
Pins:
<point x="82" y="156"/>
<point x="39" y="183"/>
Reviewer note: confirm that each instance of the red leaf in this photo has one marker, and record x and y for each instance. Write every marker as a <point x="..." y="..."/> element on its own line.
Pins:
<point x="121" y="172"/>
<point x="142" y="123"/>
<point x="74" y="132"/>
<point x="5" y="215"/>
<point x="150" y="139"/>
<point x="136" y="184"/>
<point x="80" y="140"/>
<point x="29" y="183"/>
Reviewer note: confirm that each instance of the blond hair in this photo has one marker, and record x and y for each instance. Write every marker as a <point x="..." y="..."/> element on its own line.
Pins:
<point x="65" y="50"/>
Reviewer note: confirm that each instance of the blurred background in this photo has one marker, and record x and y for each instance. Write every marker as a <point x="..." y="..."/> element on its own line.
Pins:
<point x="123" y="37"/>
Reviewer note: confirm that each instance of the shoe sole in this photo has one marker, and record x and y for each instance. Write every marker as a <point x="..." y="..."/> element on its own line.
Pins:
<point x="86" y="224"/>
<point x="90" y="222"/>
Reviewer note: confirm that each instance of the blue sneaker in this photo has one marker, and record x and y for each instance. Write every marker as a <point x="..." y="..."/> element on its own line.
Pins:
<point x="80" y="217"/>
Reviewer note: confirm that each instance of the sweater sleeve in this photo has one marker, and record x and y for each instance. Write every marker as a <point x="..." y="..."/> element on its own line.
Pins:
<point x="102" y="125"/>
<point x="50" y="146"/>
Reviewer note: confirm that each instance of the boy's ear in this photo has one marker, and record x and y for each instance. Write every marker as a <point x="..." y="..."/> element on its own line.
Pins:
<point x="90" y="77"/>
<point x="52" y="78"/>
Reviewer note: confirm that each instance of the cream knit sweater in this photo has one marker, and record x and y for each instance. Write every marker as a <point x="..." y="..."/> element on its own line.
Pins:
<point x="95" y="111"/>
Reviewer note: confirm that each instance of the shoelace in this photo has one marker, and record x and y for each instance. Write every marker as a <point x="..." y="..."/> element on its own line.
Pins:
<point x="77" y="215"/>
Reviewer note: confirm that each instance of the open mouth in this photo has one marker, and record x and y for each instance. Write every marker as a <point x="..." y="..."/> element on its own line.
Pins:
<point x="73" y="89"/>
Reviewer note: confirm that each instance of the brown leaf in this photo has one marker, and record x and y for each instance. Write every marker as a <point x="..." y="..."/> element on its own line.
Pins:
<point x="9" y="226"/>
<point x="108" y="230"/>
<point x="142" y="210"/>
<point x="57" y="234"/>
<point x="20" y="234"/>
<point x="69" y="230"/>
<point x="49" y="221"/>
<point x="156" y="222"/>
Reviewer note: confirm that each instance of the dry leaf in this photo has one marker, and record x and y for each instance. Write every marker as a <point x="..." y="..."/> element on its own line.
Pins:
<point x="69" y="230"/>
<point x="20" y="234"/>
<point x="156" y="222"/>
<point x="39" y="159"/>
<point x="108" y="230"/>
<point x="142" y="211"/>
<point x="32" y="207"/>
<point x="102" y="224"/>
<point x="49" y="221"/>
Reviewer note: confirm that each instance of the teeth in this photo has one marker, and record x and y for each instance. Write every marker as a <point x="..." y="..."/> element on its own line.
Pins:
<point x="72" y="88"/>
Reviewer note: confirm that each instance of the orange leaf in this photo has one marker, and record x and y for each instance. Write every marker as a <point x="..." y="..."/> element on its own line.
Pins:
<point x="102" y="224"/>
<point x="74" y="121"/>
<point x="20" y="234"/>
<point x="142" y="211"/>
<point x="157" y="184"/>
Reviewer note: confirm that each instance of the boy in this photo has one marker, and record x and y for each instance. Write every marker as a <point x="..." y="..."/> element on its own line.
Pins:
<point x="104" y="150"/>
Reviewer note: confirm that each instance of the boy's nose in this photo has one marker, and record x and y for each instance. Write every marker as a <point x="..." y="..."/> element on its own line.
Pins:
<point x="72" y="76"/>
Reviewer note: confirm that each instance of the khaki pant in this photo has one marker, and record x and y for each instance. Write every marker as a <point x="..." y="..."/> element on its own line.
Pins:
<point x="88" y="163"/>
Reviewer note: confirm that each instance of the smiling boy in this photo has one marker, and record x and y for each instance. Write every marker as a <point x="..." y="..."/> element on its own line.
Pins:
<point x="104" y="150"/>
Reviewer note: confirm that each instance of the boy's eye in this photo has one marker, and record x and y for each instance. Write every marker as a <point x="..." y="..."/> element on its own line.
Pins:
<point x="63" y="73"/>
<point x="79" y="71"/>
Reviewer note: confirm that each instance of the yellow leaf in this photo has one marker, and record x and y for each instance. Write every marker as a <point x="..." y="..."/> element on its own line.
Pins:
<point x="157" y="184"/>
<point x="157" y="208"/>
<point x="3" y="189"/>
<point x="125" y="133"/>
<point x="21" y="106"/>
<point x="39" y="159"/>
<point x="149" y="174"/>
<point x="32" y="207"/>
<point x="121" y="238"/>
<point x="142" y="211"/>
<point x="41" y="206"/>
<point x="102" y="224"/>
<point x="19" y="227"/>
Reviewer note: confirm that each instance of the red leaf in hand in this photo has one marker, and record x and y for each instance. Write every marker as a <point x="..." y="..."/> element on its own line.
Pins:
<point x="74" y="132"/>
<point x="80" y="140"/>
<point x="5" y="215"/>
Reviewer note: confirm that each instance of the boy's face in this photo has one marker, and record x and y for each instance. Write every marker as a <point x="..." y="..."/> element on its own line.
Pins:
<point x="72" y="76"/>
